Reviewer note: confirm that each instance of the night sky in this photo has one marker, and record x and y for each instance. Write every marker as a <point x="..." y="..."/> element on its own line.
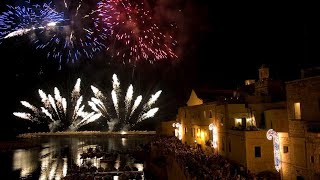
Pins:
<point x="218" y="48"/>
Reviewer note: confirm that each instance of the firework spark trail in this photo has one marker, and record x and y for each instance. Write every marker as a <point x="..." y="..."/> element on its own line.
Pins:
<point x="116" y="84"/>
<point x="115" y="102"/>
<point x="18" y="32"/>
<point x="53" y="105"/>
<point x="99" y="103"/>
<point x="20" y="20"/>
<point x="79" y="6"/>
<point x="76" y="109"/>
<point x="55" y="110"/>
<point x="148" y="114"/>
<point x="31" y="107"/>
<point x="115" y="94"/>
<point x="153" y="99"/>
<point x="136" y="35"/>
<point x="46" y="112"/>
<point x="128" y="99"/>
<point x="58" y="98"/>
<point x="88" y="118"/>
<point x="76" y="90"/>
<point x="97" y="93"/>
<point x="23" y="115"/>
<point x="64" y="105"/>
<point x="44" y="99"/>
<point x="57" y="95"/>
<point x="93" y="106"/>
<point x="65" y="4"/>
<point x="136" y="104"/>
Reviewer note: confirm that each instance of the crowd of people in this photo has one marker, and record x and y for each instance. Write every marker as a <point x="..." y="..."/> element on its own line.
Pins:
<point x="196" y="164"/>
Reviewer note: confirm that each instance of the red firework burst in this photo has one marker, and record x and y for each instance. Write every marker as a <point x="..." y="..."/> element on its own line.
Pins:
<point x="134" y="34"/>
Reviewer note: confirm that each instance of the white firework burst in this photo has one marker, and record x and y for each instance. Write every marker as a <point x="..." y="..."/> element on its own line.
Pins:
<point x="57" y="113"/>
<point x="124" y="109"/>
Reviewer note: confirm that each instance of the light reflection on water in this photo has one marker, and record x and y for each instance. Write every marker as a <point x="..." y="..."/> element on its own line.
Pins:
<point x="23" y="159"/>
<point x="56" y="155"/>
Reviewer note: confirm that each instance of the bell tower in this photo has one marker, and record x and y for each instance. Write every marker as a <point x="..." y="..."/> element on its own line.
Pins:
<point x="263" y="72"/>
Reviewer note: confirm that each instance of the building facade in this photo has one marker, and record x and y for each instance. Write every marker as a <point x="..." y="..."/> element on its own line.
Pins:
<point x="236" y="126"/>
<point x="303" y="108"/>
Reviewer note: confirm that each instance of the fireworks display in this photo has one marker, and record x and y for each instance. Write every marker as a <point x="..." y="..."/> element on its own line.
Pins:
<point x="56" y="112"/>
<point x="134" y="34"/>
<point x="121" y="110"/>
<point x="73" y="38"/>
<point x="71" y="30"/>
<point x="20" y="20"/>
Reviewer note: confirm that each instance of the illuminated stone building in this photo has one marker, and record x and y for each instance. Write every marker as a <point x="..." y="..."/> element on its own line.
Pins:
<point x="301" y="145"/>
<point x="236" y="123"/>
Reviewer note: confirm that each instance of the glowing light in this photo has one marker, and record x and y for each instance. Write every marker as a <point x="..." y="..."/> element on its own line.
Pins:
<point x="214" y="130"/>
<point x="273" y="135"/>
<point x="50" y="24"/>
<point x="24" y="160"/>
<point x="139" y="166"/>
<point x="177" y="130"/>
<point x="124" y="141"/>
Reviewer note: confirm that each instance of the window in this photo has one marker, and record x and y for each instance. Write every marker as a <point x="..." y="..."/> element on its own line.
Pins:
<point x="210" y="114"/>
<point x="222" y="144"/>
<point x="204" y="114"/>
<point x="244" y="122"/>
<point x="297" y="110"/>
<point x="285" y="149"/>
<point x="229" y="146"/>
<point x="257" y="151"/>
<point x="185" y="130"/>
<point x="193" y="132"/>
<point x="312" y="159"/>
<point x="300" y="178"/>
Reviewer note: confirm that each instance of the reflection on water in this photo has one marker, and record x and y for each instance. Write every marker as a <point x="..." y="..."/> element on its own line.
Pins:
<point x="24" y="160"/>
<point x="58" y="158"/>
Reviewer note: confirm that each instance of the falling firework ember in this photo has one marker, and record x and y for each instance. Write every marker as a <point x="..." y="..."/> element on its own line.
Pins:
<point x="134" y="33"/>
<point x="57" y="113"/>
<point x="122" y="113"/>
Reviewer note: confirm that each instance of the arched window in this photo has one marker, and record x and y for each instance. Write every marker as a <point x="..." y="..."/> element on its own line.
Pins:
<point x="210" y="114"/>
